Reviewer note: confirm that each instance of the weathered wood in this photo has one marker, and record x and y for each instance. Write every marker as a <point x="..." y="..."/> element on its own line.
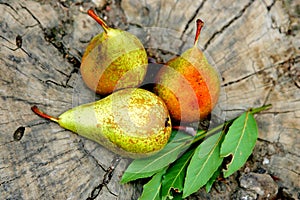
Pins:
<point x="254" y="45"/>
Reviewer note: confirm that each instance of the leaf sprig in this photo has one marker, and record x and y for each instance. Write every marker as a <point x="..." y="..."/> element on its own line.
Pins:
<point x="188" y="163"/>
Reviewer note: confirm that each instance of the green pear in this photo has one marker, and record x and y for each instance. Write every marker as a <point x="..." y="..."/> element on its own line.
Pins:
<point x="114" y="59"/>
<point x="131" y="122"/>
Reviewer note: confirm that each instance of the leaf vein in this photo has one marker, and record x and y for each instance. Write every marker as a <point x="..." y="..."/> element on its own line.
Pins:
<point x="165" y="155"/>
<point x="243" y="132"/>
<point x="210" y="153"/>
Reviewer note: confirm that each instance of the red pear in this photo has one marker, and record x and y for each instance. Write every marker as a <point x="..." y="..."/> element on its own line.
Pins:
<point x="188" y="84"/>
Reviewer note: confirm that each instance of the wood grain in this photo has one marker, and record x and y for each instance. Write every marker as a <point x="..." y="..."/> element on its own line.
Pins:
<point x="254" y="45"/>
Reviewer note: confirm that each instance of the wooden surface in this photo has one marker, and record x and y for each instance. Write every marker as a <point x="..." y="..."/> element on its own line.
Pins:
<point x="254" y="44"/>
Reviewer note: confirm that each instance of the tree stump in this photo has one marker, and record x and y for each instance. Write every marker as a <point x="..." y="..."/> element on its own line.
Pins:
<point x="253" y="44"/>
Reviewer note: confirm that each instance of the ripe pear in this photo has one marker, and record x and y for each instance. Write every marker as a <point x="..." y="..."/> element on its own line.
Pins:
<point x="188" y="84"/>
<point x="114" y="59"/>
<point x="131" y="122"/>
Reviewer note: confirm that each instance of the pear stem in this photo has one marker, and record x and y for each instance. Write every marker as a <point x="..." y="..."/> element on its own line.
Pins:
<point x="43" y="115"/>
<point x="190" y="130"/>
<point x="98" y="19"/>
<point x="200" y="24"/>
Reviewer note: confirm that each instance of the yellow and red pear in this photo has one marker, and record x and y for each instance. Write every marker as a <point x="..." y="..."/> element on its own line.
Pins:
<point x="188" y="84"/>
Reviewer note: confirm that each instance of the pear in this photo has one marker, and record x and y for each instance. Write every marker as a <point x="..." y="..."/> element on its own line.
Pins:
<point x="132" y="122"/>
<point x="114" y="59"/>
<point x="188" y="84"/>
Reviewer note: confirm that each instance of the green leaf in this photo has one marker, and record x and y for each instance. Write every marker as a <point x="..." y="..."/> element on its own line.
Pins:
<point x="174" y="177"/>
<point x="152" y="189"/>
<point x="203" y="164"/>
<point x="172" y="136"/>
<point x="212" y="179"/>
<point x="239" y="142"/>
<point x="146" y="167"/>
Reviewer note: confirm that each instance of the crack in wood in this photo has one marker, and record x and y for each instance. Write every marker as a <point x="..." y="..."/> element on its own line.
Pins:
<point x="238" y="80"/>
<point x="17" y="20"/>
<point x="238" y="16"/>
<point x="14" y="98"/>
<point x="57" y="156"/>
<point x="293" y="154"/>
<point x="292" y="60"/>
<point x="294" y="73"/>
<point x="269" y="7"/>
<point x="58" y="84"/>
<point x="282" y="30"/>
<point x="37" y="124"/>
<point x="234" y="110"/>
<point x="49" y="81"/>
<point x="280" y="112"/>
<point x="8" y="5"/>
<point x="51" y="38"/>
<point x="82" y="147"/>
<point x="43" y="66"/>
<point x="18" y="44"/>
<point x="106" y="179"/>
<point x="192" y="19"/>
<point x="291" y="170"/>
<point x="8" y="181"/>
<point x="36" y="166"/>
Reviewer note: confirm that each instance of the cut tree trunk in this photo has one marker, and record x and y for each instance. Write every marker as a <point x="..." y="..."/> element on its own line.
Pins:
<point x="253" y="44"/>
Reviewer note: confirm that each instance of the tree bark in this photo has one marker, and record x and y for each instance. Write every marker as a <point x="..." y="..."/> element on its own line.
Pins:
<point x="253" y="44"/>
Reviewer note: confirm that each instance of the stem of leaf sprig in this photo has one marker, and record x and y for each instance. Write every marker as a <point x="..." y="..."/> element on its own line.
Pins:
<point x="203" y="134"/>
<point x="259" y="109"/>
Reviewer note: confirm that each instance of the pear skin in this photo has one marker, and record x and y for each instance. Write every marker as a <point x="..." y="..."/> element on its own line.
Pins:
<point x="131" y="122"/>
<point x="188" y="84"/>
<point x="114" y="59"/>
